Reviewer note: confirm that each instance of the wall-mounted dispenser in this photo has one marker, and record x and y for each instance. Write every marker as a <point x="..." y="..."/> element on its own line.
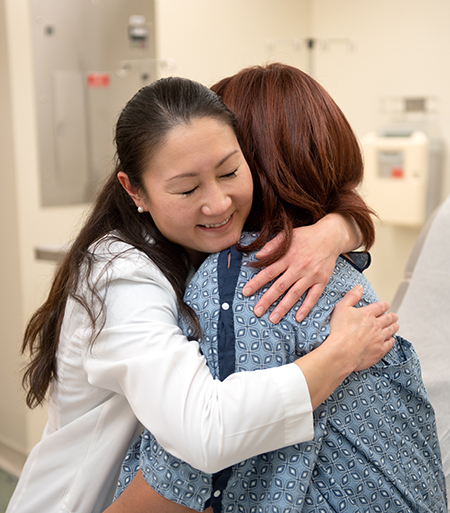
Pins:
<point x="138" y="31"/>
<point x="90" y="57"/>
<point x="402" y="175"/>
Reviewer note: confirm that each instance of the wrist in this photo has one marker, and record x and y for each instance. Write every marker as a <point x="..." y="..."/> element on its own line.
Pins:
<point x="325" y="369"/>
<point x="347" y="232"/>
<point x="341" y="362"/>
<point x="340" y="234"/>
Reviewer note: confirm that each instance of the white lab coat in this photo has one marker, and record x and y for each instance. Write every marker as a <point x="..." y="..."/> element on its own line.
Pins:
<point x="142" y="370"/>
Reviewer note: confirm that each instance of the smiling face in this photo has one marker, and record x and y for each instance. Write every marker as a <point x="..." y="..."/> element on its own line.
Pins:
<point x="198" y="187"/>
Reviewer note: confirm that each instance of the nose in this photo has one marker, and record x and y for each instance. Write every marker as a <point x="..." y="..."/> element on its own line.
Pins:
<point x="216" y="201"/>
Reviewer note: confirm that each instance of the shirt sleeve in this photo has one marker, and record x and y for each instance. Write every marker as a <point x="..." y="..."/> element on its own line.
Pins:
<point x="142" y="354"/>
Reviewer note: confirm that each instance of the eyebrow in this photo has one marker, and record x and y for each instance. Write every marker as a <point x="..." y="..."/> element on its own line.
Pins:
<point x="191" y="173"/>
<point x="225" y="159"/>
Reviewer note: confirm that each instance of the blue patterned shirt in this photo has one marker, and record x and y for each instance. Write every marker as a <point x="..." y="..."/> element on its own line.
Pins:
<point x="375" y="447"/>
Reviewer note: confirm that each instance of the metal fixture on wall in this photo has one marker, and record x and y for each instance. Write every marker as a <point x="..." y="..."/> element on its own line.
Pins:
<point x="311" y="44"/>
<point x="90" y="57"/>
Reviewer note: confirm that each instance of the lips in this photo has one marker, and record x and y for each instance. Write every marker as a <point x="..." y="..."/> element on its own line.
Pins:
<point x="218" y="225"/>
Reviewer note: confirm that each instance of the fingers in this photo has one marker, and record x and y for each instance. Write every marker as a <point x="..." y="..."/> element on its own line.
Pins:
<point x="388" y="345"/>
<point x="352" y="297"/>
<point x="367" y="332"/>
<point x="377" y="309"/>
<point x="293" y="295"/>
<point x="387" y="319"/>
<point x="271" y="246"/>
<point x="311" y="299"/>
<point x="382" y="339"/>
<point x="389" y="326"/>
<point x="274" y="292"/>
<point x="264" y="276"/>
<point x="307" y="266"/>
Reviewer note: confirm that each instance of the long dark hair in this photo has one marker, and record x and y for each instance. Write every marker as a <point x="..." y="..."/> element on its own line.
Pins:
<point x="304" y="157"/>
<point x="141" y="129"/>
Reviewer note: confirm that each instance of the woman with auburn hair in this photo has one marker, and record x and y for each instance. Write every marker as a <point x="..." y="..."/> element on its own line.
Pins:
<point x="375" y="446"/>
<point x="106" y="345"/>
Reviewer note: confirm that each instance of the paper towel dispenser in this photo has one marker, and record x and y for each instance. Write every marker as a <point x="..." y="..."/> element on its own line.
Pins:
<point x="402" y="175"/>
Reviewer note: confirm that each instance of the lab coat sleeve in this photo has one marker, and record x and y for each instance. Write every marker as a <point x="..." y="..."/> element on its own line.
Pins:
<point x="142" y="354"/>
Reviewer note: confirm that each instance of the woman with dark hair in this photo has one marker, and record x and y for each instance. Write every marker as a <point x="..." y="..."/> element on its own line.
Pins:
<point x="375" y="446"/>
<point x="106" y="345"/>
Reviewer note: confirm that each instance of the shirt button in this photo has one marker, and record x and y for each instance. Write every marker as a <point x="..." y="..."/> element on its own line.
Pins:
<point x="225" y="306"/>
<point x="217" y="493"/>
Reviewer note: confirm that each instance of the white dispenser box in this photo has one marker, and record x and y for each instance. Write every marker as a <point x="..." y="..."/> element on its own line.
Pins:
<point x="402" y="170"/>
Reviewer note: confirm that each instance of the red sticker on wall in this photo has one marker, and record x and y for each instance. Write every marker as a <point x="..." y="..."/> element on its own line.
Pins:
<point x="397" y="172"/>
<point x="98" y="79"/>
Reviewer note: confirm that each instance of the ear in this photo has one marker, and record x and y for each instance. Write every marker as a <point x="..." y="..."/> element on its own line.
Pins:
<point x="134" y="194"/>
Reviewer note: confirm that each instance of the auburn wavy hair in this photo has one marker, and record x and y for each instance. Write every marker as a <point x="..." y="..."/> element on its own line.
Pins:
<point x="305" y="159"/>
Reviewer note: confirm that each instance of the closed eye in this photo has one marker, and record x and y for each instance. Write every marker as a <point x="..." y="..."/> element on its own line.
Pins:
<point x="188" y="193"/>
<point x="230" y="175"/>
<point x="191" y="191"/>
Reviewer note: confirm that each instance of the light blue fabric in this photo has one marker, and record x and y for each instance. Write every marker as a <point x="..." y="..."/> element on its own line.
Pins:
<point x="375" y="446"/>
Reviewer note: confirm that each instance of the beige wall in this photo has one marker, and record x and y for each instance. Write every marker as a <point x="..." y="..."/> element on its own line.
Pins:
<point x="210" y="39"/>
<point x="24" y="223"/>
<point x="12" y="413"/>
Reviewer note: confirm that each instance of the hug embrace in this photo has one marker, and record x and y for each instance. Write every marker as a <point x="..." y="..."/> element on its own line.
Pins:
<point x="152" y="322"/>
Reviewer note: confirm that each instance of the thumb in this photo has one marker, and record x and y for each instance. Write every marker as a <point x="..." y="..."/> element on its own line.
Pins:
<point x="353" y="296"/>
<point x="271" y="246"/>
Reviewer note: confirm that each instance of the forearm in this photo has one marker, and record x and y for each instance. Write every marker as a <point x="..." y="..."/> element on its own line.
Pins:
<point x="212" y="424"/>
<point x="141" y="354"/>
